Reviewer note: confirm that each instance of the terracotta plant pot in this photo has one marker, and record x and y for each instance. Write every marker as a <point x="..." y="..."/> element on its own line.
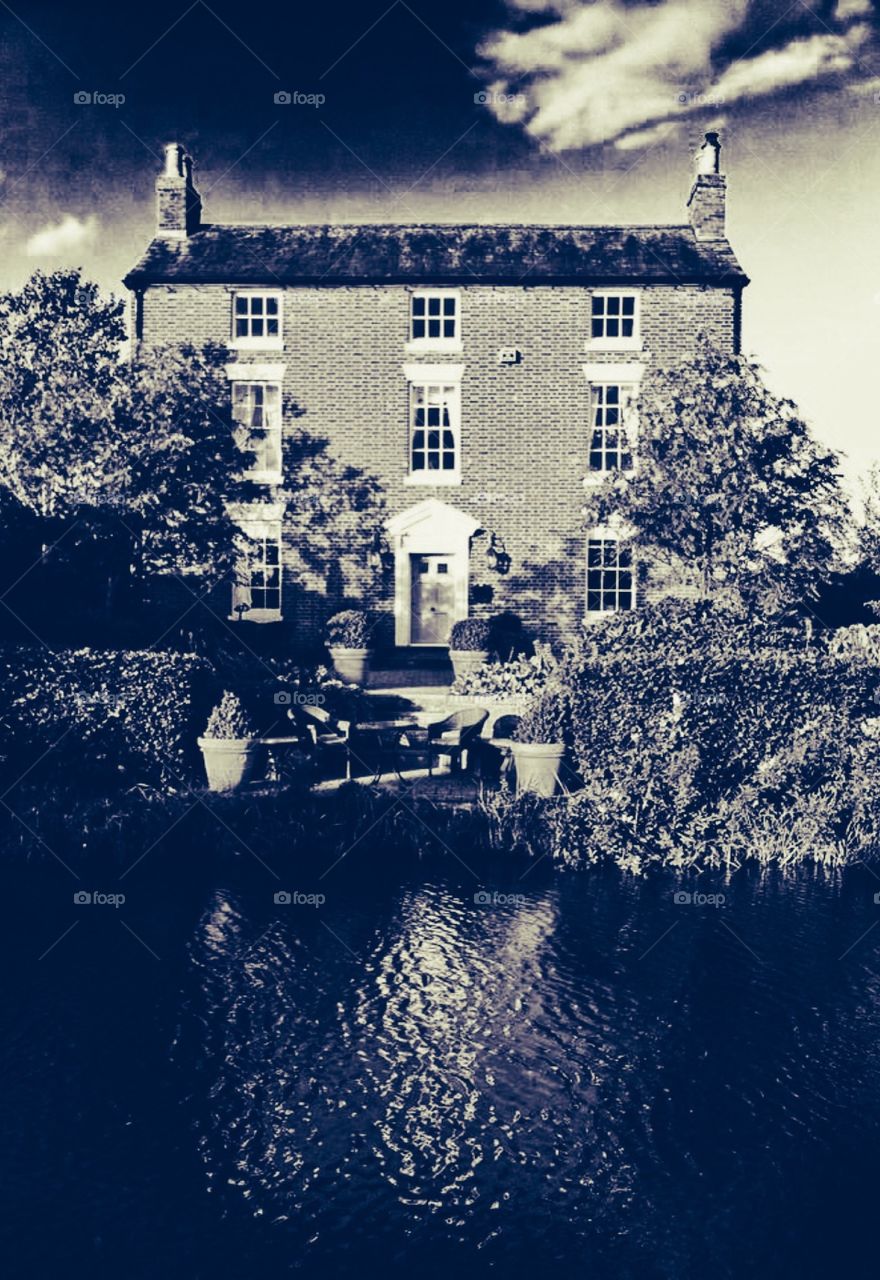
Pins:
<point x="229" y="762"/>
<point x="351" y="664"/>
<point x="464" y="661"/>
<point x="537" y="766"/>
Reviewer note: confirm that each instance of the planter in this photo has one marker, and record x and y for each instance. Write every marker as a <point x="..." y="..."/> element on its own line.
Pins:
<point x="464" y="661"/>
<point x="229" y="762"/>
<point x="351" y="665"/>
<point x="537" y="766"/>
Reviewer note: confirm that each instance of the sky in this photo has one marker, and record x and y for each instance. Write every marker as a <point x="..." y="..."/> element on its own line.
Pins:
<point x="567" y="111"/>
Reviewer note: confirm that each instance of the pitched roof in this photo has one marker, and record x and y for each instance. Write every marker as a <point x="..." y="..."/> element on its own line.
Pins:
<point x="438" y="254"/>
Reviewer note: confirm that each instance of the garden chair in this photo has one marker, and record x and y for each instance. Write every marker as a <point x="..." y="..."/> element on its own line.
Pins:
<point x="325" y="733"/>
<point x="452" y="736"/>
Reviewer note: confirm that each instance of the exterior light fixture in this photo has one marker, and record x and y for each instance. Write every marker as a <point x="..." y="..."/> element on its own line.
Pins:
<point x="496" y="554"/>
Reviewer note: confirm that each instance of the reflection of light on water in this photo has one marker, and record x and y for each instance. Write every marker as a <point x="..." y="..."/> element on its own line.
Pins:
<point x="429" y="1088"/>
<point x="441" y="993"/>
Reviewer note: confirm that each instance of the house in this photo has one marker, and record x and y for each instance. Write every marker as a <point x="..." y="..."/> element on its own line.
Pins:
<point x="480" y="373"/>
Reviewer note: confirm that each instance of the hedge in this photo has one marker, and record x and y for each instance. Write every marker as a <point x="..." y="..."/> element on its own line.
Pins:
<point x="82" y="716"/>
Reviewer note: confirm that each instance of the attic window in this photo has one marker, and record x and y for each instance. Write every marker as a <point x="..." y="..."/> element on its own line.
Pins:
<point x="256" y="320"/>
<point x="434" y="319"/>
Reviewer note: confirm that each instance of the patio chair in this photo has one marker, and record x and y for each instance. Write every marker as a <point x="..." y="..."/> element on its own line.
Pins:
<point x="452" y="736"/>
<point x="325" y="733"/>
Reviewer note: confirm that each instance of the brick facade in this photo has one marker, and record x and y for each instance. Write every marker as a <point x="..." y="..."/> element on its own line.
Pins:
<point x="525" y="427"/>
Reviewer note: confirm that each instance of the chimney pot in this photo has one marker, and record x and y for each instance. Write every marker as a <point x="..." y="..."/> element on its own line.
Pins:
<point x="709" y="155"/>
<point x="173" y="155"/>
<point x="707" y="206"/>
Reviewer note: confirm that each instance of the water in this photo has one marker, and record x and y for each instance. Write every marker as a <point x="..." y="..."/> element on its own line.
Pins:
<point x="583" y="1077"/>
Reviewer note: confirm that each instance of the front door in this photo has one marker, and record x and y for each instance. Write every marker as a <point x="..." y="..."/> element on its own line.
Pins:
<point x="433" y="599"/>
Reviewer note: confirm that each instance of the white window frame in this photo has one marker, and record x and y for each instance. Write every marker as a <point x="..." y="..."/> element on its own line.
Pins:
<point x="257" y="474"/>
<point x="434" y="375"/>
<point x="439" y="343"/>
<point x="265" y="526"/>
<point x="602" y="373"/>
<point x="605" y="534"/>
<point x="249" y="342"/>
<point x="262" y="375"/>
<point x="633" y="343"/>
<point x="626" y="426"/>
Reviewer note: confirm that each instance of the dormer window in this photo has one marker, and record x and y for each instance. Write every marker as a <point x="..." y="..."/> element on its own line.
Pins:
<point x="614" y="321"/>
<point x="435" y="320"/>
<point x="256" y="320"/>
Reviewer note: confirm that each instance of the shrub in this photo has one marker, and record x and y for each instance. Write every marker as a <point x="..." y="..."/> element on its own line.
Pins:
<point x="857" y="641"/>
<point x="228" y="720"/>
<point x="470" y="635"/>
<point x="519" y="678"/>
<point x="508" y="637"/>
<point x="119" y="717"/>
<point x="675" y="752"/>
<point x="546" y="718"/>
<point x="349" y="630"/>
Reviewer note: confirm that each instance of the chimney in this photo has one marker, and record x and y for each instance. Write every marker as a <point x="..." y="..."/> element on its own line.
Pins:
<point x="708" y="199"/>
<point x="178" y="204"/>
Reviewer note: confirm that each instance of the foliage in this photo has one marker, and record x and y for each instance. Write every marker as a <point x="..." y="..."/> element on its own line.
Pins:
<point x="178" y="482"/>
<point x="546" y="719"/>
<point x="517" y="678"/>
<point x="108" y="718"/>
<point x="470" y="635"/>
<point x="334" y="513"/>
<point x="731" y="490"/>
<point x="670" y="749"/>
<point x="697" y="628"/>
<point x="857" y="641"/>
<point x="59" y="375"/>
<point x="349" y="629"/>
<point x="229" y="720"/>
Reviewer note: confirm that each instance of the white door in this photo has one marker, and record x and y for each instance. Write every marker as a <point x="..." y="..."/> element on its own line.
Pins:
<point x="433" y="599"/>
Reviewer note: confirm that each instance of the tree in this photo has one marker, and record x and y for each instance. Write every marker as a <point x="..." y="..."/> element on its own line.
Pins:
<point x="60" y="364"/>
<point x="730" y="490"/>
<point x="182" y="462"/>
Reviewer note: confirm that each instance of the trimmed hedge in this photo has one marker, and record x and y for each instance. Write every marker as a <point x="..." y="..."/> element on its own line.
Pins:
<point x="85" y="716"/>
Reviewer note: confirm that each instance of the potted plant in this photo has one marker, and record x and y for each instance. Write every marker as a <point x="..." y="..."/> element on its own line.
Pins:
<point x="539" y="743"/>
<point x="228" y="747"/>
<point x="468" y="645"/>
<point x="348" y="639"/>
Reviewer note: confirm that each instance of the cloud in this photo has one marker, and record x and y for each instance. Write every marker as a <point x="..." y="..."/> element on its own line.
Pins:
<point x="603" y="70"/>
<point x="56" y="241"/>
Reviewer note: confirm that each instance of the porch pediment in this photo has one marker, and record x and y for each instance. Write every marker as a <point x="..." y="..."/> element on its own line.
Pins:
<point x="432" y="521"/>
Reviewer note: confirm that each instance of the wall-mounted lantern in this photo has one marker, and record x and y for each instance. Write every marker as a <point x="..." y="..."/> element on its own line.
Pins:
<point x="497" y="556"/>
<point x="380" y="555"/>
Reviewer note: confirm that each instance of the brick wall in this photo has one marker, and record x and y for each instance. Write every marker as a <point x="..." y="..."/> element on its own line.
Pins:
<point x="525" y="428"/>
